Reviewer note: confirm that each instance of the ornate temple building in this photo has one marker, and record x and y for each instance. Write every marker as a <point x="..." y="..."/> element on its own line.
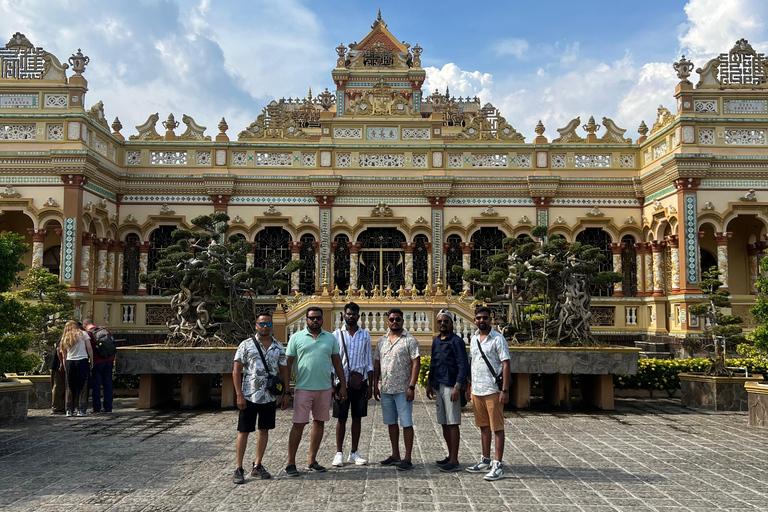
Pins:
<point x="382" y="187"/>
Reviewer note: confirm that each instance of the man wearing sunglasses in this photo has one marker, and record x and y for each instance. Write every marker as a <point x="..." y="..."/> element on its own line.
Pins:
<point x="355" y="351"/>
<point x="396" y="363"/>
<point x="253" y="396"/>
<point x="448" y="371"/>
<point x="314" y="350"/>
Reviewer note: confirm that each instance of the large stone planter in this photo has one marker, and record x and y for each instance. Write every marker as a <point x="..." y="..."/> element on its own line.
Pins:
<point x="757" y="393"/>
<point x="700" y="391"/>
<point x="41" y="394"/>
<point x="157" y="366"/>
<point x="14" y="401"/>
<point x="595" y="366"/>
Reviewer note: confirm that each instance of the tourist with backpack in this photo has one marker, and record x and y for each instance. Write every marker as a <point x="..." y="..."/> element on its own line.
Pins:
<point x="103" y="345"/>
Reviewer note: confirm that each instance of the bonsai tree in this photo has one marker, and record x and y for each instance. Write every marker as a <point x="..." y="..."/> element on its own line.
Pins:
<point x="718" y="327"/>
<point x="544" y="287"/>
<point x="212" y="292"/>
<point x="759" y="311"/>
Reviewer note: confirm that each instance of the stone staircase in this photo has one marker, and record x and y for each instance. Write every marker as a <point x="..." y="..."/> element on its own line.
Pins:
<point x="653" y="349"/>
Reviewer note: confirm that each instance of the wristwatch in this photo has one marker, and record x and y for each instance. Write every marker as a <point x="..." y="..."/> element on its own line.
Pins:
<point x="457" y="386"/>
<point x="412" y="388"/>
<point x="287" y="393"/>
<point x="504" y="391"/>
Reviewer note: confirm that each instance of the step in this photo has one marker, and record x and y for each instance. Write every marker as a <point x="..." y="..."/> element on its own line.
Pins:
<point x="655" y="355"/>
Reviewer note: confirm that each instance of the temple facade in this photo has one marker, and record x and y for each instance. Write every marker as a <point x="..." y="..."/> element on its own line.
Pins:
<point x="382" y="187"/>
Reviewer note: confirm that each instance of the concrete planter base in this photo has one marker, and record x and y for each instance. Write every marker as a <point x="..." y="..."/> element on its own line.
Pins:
<point x="41" y="394"/>
<point x="758" y="403"/>
<point x="14" y="401"/>
<point x="699" y="391"/>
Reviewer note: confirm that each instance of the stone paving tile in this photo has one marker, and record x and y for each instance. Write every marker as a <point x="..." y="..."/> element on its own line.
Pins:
<point x="647" y="455"/>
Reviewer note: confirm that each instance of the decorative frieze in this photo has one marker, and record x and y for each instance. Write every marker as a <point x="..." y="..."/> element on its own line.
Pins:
<point x="54" y="132"/>
<point x="343" y="159"/>
<point x="56" y="101"/>
<point x="455" y="160"/>
<point x="132" y="157"/>
<point x="239" y="158"/>
<point x="627" y="160"/>
<point x="17" y="131"/>
<point x="488" y="160"/>
<point x="325" y="159"/>
<point x="167" y="158"/>
<point x="163" y="199"/>
<point x="706" y="136"/>
<point x="221" y="157"/>
<point x="203" y="158"/>
<point x="347" y="133"/>
<point x="273" y="159"/>
<point x="309" y="159"/>
<point x="415" y="133"/>
<point x="705" y="106"/>
<point x="489" y="200"/>
<point x="745" y="137"/>
<point x="437" y="159"/>
<point x="558" y="161"/>
<point x="73" y="130"/>
<point x="100" y="146"/>
<point x="584" y="161"/>
<point x="420" y="160"/>
<point x="524" y="160"/>
<point x="659" y="150"/>
<point x="381" y="160"/>
<point x="745" y="106"/>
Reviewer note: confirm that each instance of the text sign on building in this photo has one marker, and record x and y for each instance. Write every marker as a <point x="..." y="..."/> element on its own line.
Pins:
<point x="18" y="100"/>
<point x="746" y="106"/>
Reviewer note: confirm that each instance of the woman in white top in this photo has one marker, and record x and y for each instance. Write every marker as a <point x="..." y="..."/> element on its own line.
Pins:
<point x="76" y="356"/>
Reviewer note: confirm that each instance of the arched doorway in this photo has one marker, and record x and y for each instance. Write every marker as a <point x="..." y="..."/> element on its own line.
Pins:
<point x="453" y="258"/>
<point x="131" y="258"/>
<point x="487" y="242"/>
<point x="382" y="259"/>
<point x="341" y="262"/>
<point x="273" y="250"/>
<point x="599" y="238"/>
<point x="745" y="229"/>
<point x="307" y="272"/>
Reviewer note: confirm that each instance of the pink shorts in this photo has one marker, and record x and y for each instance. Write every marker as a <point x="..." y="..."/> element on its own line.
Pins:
<point x="319" y="402"/>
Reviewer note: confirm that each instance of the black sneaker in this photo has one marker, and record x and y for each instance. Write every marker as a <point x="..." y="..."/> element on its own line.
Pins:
<point x="449" y="467"/>
<point x="261" y="472"/>
<point x="404" y="465"/>
<point x="239" y="476"/>
<point x="292" y="471"/>
<point x="443" y="461"/>
<point x="316" y="468"/>
<point x="389" y="461"/>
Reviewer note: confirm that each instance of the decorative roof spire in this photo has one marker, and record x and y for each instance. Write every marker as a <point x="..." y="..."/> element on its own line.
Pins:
<point x="379" y="21"/>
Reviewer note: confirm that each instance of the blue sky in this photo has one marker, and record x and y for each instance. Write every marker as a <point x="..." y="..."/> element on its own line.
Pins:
<point x="533" y="60"/>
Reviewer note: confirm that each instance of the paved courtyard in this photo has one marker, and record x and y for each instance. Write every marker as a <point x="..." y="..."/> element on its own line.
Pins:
<point x="646" y="455"/>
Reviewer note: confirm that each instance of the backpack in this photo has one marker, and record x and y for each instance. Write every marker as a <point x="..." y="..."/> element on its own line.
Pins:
<point x="104" y="342"/>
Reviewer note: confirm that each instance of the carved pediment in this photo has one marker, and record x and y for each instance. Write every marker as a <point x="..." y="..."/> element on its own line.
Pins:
<point x="663" y="119"/>
<point x="283" y="120"/>
<point x="194" y="131"/>
<point x="613" y="134"/>
<point x="489" y="124"/>
<point x="96" y="113"/>
<point x="147" y="130"/>
<point x="21" y="60"/>
<point x="568" y="132"/>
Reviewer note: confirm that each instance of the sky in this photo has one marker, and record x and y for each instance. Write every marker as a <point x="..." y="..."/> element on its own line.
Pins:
<point x="548" y="61"/>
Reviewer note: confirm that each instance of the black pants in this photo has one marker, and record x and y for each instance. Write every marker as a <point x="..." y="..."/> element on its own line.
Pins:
<point x="77" y="390"/>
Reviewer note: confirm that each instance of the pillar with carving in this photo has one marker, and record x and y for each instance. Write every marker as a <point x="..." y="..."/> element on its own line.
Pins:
<point x="466" y="258"/>
<point x="38" y="246"/>
<point x="721" y="239"/>
<point x="250" y="255"/>
<point x="640" y="268"/>
<point x="408" y="249"/>
<point x="617" y="267"/>
<point x="648" y="269"/>
<point x="102" y="246"/>
<point x="674" y="255"/>
<point x="86" y="253"/>
<point x="753" y="266"/>
<point x="143" y="264"/>
<point x="295" y="254"/>
<point x="437" y="265"/>
<point x="325" y="278"/>
<point x="658" y="270"/>
<point x="114" y="247"/>
<point x="119" y="267"/>
<point x="354" y="252"/>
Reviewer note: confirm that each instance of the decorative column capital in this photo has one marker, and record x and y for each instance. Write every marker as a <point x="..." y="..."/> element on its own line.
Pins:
<point x="640" y="248"/>
<point x="466" y="247"/>
<point x="657" y="245"/>
<point x="102" y="243"/>
<point x="144" y="246"/>
<point x="752" y="249"/>
<point x="87" y="238"/>
<point x="315" y="246"/>
<point x="295" y="246"/>
<point x="325" y="200"/>
<point x="721" y="238"/>
<point x="73" y="180"/>
<point x="690" y="184"/>
<point x="616" y="247"/>
<point x="354" y="247"/>
<point x="38" y="235"/>
<point x="437" y="200"/>
<point x="407" y="247"/>
<point x="114" y="245"/>
<point x="542" y="202"/>
<point x="673" y="241"/>
<point x="428" y="246"/>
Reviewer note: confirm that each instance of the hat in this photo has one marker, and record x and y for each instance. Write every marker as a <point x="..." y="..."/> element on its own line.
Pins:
<point x="444" y="312"/>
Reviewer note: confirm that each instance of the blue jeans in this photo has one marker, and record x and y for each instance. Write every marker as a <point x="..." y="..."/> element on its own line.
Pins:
<point x="102" y="375"/>
<point x="394" y="406"/>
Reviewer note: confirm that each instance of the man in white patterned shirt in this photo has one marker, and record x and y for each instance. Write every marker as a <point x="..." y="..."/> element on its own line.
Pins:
<point x="356" y="356"/>
<point x="253" y="398"/>
<point x="489" y="363"/>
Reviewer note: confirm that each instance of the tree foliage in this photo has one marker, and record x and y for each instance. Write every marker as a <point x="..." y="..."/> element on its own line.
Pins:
<point x="718" y="327"/>
<point x="543" y="286"/>
<point x="760" y="311"/>
<point x="211" y="287"/>
<point x="14" y="341"/>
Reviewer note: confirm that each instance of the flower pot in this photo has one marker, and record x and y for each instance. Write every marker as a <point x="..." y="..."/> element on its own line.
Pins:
<point x="700" y="391"/>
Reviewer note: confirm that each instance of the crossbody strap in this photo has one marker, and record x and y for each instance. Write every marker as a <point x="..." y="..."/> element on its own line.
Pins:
<point x="263" y="359"/>
<point x="344" y="344"/>
<point x="486" y="359"/>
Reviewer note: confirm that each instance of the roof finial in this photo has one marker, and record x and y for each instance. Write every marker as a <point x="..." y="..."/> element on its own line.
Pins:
<point x="378" y="18"/>
<point x="379" y="21"/>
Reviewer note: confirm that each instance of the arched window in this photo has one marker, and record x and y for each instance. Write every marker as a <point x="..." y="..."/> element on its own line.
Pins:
<point x="307" y="272"/>
<point x="273" y="250"/>
<point x="453" y="258"/>
<point x="598" y="238"/>
<point x="52" y="259"/>
<point x="382" y="259"/>
<point x="629" y="266"/>
<point x="131" y="265"/>
<point x="487" y="242"/>
<point x="420" y="262"/>
<point x="708" y="260"/>
<point x="160" y="238"/>
<point x="341" y="262"/>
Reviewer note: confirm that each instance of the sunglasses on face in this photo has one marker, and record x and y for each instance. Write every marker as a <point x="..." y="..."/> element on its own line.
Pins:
<point x="314" y="318"/>
<point x="395" y="320"/>
<point x="481" y="318"/>
<point x="444" y="321"/>
<point x="265" y="324"/>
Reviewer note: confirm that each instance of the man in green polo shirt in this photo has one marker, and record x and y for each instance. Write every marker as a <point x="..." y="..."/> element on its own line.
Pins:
<point x="314" y="350"/>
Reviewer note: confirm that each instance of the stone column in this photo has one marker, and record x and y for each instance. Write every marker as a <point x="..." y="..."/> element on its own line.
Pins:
<point x="74" y="185"/>
<point x="319" y="267"/>
<point x="249" y="256"/>
<point x="688" y="233"/>
<point x="754" y="266"/>
<point x="674" y="254"/>
<point x="640" y="268"/>
<point x="658" y="271"/>
<point x="114" y="247"/>
<point x="119" y="267"/>
<point x="323" y="249"/>
<point x="102" y="244"/>
<point x="143" y="264"/>
<point x="466" y="252"/>
<point x="86" y="253"/>
<point x="437" y="263"/>
<point x="408" y="249"/>
<point x="354" y="252"/>
<point x="295" y="254"/>
<point x="721" y="239"/>
<point x="38" y="246"/>
<point x="616" y="253"/>
<point x="648" y="270"/>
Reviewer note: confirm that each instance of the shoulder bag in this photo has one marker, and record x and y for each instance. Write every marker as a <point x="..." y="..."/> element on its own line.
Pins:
<point x="498" y="378"/>
<point x="356" y="379"/>
<point x="274" y="384"/>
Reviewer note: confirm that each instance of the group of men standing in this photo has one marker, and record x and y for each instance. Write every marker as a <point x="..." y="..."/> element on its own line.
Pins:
<point x="342" y="368"/>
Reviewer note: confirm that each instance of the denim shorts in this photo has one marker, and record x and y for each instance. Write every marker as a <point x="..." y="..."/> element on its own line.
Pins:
<point x="394" y="406"/>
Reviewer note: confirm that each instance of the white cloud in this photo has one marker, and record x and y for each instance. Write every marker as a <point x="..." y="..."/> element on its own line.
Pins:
<point x="714" y="26"/>
<point x="461" y="83"/>
<point x="511" y="46"/>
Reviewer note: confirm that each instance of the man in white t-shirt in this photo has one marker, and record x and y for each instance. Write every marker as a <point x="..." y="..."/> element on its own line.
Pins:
<point x="489" y="363"/>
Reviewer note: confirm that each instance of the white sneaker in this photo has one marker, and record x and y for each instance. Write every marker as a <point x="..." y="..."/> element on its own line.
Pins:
<point x="483" y="465"/>
<point x="80" y="414"/>
<point x="338" y="460"/>
<point x="497" y="471"/>
<point x="69" y="414"/>
<point x="357" y="459"/>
